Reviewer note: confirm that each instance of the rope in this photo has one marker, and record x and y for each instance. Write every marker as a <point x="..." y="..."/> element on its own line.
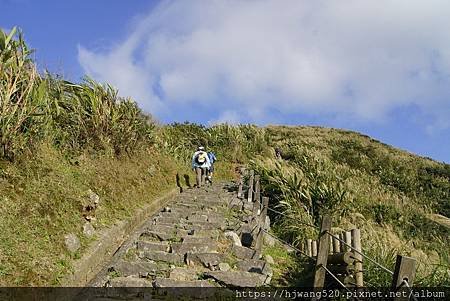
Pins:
<point x="360" y="253"/>
<point x="335" y="278"/>
<point x="300" y="222"/>
<point x="288" y="244"/>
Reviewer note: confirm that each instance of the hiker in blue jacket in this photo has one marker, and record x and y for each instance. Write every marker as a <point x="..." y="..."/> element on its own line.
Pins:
<point x="212" y="159"/>
<point x="201" y="165"/>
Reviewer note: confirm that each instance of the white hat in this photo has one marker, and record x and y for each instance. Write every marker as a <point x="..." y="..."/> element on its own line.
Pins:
<point x="201" y="148"/>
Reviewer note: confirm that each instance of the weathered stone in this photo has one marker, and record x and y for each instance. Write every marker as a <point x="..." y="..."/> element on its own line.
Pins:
<point x="269" y="259"/>
<point x="153" y="246"/>
<point x="183" y="248"/>
<point x="236" y="204"/>
<point x="254" y="266"/>
<point x="94" y="199"/>
<point x="214" y="234"/>
<point x="234" y="238"/>
<point x="244" y="252"/>
<point x="157" y="235"/>
<point x="72" y="242"/>
<point x="248" y="206"/>
<point x="217" y="219"/>
<point x="238" y="278"/>
<point x="197" y="218"/>
<point x="88" y="229"/>
<point x="206" y="259"/>
<point x="125" y="268"/>
<point x="269" y="240"/>
<point x="197" y="240"/>
<point x="163" y="256"/>
<point x="172" y="215"/>
<point x="183" y="274"/>
<point x="167" y="220"/>
<point x="165" y="282"/>
<point x="129" y="282"/>
<point x="223" y="266"/>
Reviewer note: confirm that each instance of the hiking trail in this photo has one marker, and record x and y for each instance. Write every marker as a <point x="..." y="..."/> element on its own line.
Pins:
<point x="194" y="241"/>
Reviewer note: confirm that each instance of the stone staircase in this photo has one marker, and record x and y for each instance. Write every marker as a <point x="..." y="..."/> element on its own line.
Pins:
<point x="192" y="242"/>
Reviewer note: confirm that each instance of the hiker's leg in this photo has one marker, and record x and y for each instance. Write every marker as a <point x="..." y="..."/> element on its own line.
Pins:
<point x="198" y="174"/>
<point x="203" y="176"/>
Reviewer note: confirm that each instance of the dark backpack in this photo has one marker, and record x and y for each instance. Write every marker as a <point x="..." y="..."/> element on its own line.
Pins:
<point x="200" y="158"/>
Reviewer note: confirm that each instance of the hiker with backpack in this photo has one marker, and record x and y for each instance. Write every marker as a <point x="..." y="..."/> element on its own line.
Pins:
<point x="201" y="165"/>
<point x="212" y="159"/>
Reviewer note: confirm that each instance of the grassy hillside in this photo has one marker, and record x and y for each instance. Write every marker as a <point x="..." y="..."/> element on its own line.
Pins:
<point x="60" y="140"/>
<point x="391" y="195"/>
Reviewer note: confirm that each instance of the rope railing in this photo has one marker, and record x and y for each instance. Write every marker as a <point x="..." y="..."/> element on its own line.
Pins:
<point x="288" y="244"/>
<point x="285" y="215"/>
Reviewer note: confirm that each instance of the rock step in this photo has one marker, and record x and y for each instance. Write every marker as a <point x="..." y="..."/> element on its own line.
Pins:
<point x="163" y="246"/>
<point x="136" y="268"/>
<point x="166" y="282"/>
<point x="129" y="282"/>
<point x="238" y="278"/>
<point x="207" y="260"/>
<point x="171" y="258"/>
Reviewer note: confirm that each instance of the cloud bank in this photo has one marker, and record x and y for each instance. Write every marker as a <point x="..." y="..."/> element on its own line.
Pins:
<point x="242" y="60"/>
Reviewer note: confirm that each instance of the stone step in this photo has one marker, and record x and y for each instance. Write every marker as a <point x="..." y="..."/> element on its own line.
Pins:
<point x="168" y="220"/>
<point x="153" y="246"/>
<point x="183" y="247"/>
<point x="214" y="234"/>
<point x="134" y="268"/>
<point x="242" y="252"/>
<point x="154" y="235"/>
<point x="208" y="260"/>
<point x="254" y="266"/>
<point x="171" y="258"/>
<point x="130" y="282"/>
<point x="183" y="274"/>
<point x="166" y="282"/>
<point x="238" y="278"/>
<point x="193" y="239"/>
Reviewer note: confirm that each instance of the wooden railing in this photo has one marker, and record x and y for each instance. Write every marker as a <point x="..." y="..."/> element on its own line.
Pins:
<point x="338" y="256"/>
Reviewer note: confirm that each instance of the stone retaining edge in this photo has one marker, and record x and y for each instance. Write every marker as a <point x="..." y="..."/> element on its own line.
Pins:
<point x="101" y="251"/>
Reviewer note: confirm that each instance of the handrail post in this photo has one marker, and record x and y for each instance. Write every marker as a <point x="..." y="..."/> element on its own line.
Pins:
<point x="356" y="244"/>
<point x="322" y="256"/>
<point x="405" y="270"/>
<point x="240" y="189"/>
<point x="250" y="186"/>
<point x="262" y="221"/>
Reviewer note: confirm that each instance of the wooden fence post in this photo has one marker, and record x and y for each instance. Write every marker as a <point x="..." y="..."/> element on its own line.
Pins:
<point x="257" y="197"/>
<point x="240" y="189"/>
<point x="250" y="186"/>
<point x="356" y="244"/>
<point x="405" y="269"/>
<point x="348" y="241"/>
<point x="336" y="246"/>
<point x="308" y="248"/>
<point x="314" y="248"/>
<point x="322" y="256"/>
<point x="262" y="221"/>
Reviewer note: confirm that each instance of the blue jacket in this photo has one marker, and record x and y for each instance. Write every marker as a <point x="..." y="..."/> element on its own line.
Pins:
<point x="212" y="157"/>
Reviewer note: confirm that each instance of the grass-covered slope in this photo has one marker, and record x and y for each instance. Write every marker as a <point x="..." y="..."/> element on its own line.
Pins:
<point x="392" y="195"/>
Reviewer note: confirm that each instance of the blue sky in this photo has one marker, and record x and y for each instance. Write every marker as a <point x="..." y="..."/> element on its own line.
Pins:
<point x="378" y="67"/>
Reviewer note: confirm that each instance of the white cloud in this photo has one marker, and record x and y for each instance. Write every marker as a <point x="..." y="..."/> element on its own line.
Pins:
<point x="353" y="58"/>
